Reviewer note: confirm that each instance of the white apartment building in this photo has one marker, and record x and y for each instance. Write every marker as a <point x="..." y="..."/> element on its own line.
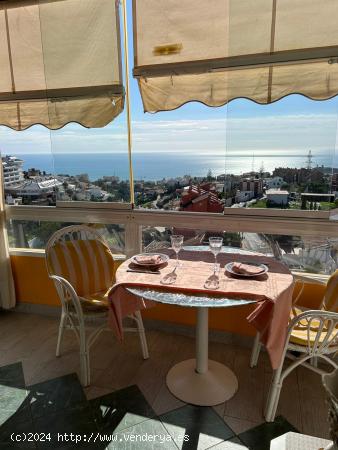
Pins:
<point x="12" y="170"/>
<point x="273" y="183"/>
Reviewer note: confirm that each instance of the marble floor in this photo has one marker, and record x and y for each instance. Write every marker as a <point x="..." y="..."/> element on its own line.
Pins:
<point x="128" y="396"/>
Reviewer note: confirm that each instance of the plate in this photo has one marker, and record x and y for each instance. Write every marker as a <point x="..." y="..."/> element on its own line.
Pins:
<point x="164" y="259"/>
<point x="228" y="268"/>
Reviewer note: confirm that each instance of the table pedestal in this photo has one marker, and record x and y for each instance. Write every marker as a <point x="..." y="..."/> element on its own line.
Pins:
<point x="201" y="381"/>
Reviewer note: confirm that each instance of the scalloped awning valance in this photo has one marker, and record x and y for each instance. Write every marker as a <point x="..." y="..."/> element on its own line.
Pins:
<point x="60" y="62"/>
<point x="218" y="50"/>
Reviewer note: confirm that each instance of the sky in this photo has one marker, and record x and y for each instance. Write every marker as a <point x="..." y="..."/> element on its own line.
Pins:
<point x="293" y="125"/>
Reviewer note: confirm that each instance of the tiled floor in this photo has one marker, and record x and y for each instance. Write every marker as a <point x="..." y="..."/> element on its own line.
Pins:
<point x="145" y="406"/>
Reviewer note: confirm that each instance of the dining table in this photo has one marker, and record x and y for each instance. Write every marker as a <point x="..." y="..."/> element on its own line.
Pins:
<point x="202" y="381"/>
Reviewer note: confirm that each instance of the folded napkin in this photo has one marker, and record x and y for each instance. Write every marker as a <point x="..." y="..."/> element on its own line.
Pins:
<point x="148" y="259"/>
<point x="246" y="269"/>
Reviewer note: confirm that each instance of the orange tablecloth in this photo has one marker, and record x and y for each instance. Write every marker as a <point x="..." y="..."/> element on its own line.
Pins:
<point x="273" y="292"/>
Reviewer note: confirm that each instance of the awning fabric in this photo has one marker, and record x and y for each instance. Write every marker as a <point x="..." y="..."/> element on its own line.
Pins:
<point x="60" y="62"/>
<point x="218" y="50"/>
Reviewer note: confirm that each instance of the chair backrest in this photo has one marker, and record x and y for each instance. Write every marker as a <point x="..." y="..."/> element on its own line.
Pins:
<point x="330" y="301"/>
<point x="80" y="255"/>
<point x="319" y="330"/>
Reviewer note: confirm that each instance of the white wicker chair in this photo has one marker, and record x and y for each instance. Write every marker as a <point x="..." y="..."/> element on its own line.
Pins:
<point x="73" y="315"/>
<point x="329" y="302"/>
<point x="313" y="334"/>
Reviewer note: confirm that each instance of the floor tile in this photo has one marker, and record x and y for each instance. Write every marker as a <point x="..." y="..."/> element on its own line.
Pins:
<point x="121" y="409"/>
<point x="55" y="395"/>
<point x="13" y="403"/>
<point x="239" y="425"/>
<point x="202" y="425"/>
<point x="231" y="444"/>
<point x="12" y="375"/>
<point x="78" y="421"/>
<point x="259" y="438"/>
<point x="148" y="435"/>
<point x="12" y="429"/>
<point x="165" y="401"/>
<point x="93" y="392"/>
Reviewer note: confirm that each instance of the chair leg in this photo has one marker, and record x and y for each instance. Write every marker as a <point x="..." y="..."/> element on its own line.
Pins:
<point x="273" y="398"/>
<point x="62" y="327"/>
<point x="143" y="339"/>
<point x="84" y="357"/>
<point x="255" y="351"/>
<point x="84" y="369"/>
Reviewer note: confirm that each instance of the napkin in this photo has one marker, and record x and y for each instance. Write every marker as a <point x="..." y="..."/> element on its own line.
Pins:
<point x="246" y="269"/>
<point x="148" y="259"/>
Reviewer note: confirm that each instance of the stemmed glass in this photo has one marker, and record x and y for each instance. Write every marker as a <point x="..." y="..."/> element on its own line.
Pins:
<point x="176" y="244"/>
<point x="215" y="246"/>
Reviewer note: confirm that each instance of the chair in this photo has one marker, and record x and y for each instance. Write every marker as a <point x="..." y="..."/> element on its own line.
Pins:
<point x="82" y="267"/>
<point x="313" y="334"/>
<point x="328" y="303"/>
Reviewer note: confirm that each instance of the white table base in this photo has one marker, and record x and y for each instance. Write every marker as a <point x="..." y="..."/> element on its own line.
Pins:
<point x="201" y="381"/>
<point x="215" y="386"/>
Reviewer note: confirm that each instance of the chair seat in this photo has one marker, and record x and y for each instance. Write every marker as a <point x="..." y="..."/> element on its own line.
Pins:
<point x="296" y="312"/>
<point x="299" y="336"/>
<point x="96" y="303"/>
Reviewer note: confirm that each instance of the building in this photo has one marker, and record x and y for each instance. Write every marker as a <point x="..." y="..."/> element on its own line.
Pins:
<point x="274" y="182"/>
<point x="277" y="196"/>
<point x="244" y="196"/>
<point x="252" y="184"/>
<point x="303" y="175"/>
<point x="34" y="189"/>
<point x="198" y="199"/>
<point x="12" y="170"/>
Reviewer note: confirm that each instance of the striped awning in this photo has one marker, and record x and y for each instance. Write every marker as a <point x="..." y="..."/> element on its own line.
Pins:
<point x="218" y="50"/>
<point x="60" y="62"/>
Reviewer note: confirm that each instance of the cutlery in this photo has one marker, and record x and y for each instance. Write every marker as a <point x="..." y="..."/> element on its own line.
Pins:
<point x="170" y="278"/>
<point x="144" y="271"/>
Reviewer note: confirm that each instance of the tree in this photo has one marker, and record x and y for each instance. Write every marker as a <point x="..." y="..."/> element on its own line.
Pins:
<point x="209" y="175"/>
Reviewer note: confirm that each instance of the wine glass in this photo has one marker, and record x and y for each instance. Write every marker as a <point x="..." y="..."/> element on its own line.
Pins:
<point x="176" y="244"/>
<point x="215" y="246"/>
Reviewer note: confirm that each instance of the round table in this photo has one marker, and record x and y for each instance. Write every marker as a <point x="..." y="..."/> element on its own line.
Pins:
<point x="199" y="381"/>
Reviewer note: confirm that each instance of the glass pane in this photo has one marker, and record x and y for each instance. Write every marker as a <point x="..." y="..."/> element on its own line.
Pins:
<point x="28" y="167"/>
<point x="35" y="235"/>
<point x="281" y="155"/>
<point x="92" y="164"/>
<point x="304" y="254"/>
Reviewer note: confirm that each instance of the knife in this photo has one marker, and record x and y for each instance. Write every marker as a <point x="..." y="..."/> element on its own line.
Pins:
<point x="143" y="271"/>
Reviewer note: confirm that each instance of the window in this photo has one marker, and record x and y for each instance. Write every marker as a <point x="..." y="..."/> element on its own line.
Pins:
<point x="303" y="254"/>
<point x="35" y="234"/>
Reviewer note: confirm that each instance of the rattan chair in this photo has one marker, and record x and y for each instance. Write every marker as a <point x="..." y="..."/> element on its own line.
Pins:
<point x="82" y="267"/>
<point x="312" y="334"/>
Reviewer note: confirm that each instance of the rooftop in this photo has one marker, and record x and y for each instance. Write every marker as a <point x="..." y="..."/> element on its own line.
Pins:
<point x="276" y="192"/>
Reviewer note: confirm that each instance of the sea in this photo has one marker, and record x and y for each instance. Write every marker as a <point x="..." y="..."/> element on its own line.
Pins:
<point x="156" y="166"/>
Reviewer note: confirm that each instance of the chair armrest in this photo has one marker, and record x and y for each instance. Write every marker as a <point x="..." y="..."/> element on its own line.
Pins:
<point x="66" y="292"/>
<point x="311" y="278"/>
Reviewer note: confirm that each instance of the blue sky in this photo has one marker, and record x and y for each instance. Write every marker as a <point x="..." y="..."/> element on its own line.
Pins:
<point x="293" y="125"/>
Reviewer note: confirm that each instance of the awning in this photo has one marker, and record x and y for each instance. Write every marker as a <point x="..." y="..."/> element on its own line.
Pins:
<point x="218" y="50"/>
<point x="60" y="62"/>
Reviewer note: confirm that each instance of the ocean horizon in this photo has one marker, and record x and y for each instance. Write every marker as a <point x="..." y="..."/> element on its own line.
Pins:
<point x="156" y="166"/>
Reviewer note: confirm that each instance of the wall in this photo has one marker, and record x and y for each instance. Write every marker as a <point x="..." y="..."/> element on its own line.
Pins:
<point x="33" y="286"/>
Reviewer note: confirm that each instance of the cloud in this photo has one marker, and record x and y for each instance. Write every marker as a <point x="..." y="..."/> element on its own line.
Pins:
<point x="274" y="134"/>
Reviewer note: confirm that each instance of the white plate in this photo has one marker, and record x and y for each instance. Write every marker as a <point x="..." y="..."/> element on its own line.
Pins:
<point x="164" y="259"/>
<point x="228" y="267"/>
